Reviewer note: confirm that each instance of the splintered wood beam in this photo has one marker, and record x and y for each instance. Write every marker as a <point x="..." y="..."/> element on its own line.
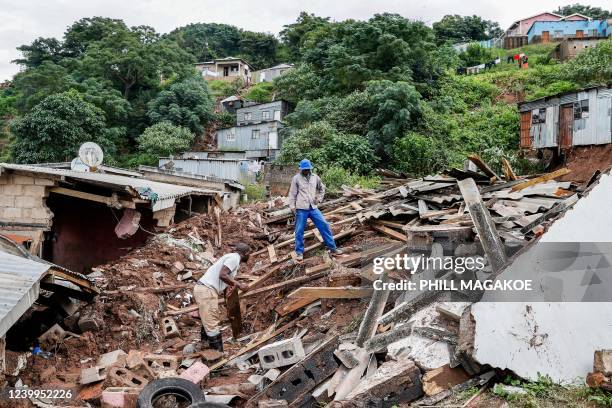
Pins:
<point x="284" y="284"/>
<point x="508" y="172"/>
<point x="339" y="292"/>
<point x="293" y="304"/>
<point x="272" y="254"/>
<point x="483" y="222"/>
<point x="477" y="160"/>
<point x="541" y="179"/>
<point x="111" y="201"/>
<point x="389" y="232"/>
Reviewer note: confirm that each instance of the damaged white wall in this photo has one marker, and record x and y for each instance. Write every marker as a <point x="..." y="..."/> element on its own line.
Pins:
<point x="552" y="338"/>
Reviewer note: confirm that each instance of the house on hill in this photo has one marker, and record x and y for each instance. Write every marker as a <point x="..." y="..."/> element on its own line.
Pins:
<point x="270" y="74"/>
<point x="548" y="31"/>
<point x="516" y="35"/>
<point x="228" y="69"/>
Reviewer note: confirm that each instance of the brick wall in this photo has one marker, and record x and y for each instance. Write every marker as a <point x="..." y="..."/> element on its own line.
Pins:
<point x="278" y="178"/>
<point x="22" y="200"/>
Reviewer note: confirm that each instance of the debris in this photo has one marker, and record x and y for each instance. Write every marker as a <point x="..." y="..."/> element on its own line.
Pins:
<point x="541" y="179"/>
<point x="442" y="378"/>
<point x="92" y="374"/>
<point x="282" y="353"/>
<point x="108" y="359"/>
<point x="169" y="327"/>
<point x="119" y="397"/>
<point x="196" y="372"/>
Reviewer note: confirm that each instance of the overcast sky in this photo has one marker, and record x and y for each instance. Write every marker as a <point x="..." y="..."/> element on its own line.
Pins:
<point x="24" y="20"/>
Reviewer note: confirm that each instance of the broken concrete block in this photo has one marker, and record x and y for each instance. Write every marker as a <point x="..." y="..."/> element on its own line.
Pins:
<point x="126" y="377"/>
<point x="108" y="359"/>
<point x="169" y="328"/>
<point x="394" y="381"/>
<point x="88" y="323"/>
<point x="129" y="223"/>
<point x="603" y="362"/>
<point x="443" y="378"/>
<point x="282" y="353"/>
<point x="92" y="374"/>
<point x="52" y="336"/>
<point x="161" y="361"/>
<point x="196" y="373"/>
<point x="273" y="404"/>
<point x="178" y="266"/>
<point x="119" y="397"/>
<point x="186" y="275"/>
<point x="134" y="358"/>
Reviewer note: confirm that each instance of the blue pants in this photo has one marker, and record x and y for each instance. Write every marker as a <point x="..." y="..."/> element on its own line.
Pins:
<point x="301" y="218"/>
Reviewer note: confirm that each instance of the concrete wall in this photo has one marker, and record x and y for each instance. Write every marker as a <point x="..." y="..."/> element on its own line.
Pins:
<point x="22" y="202"/>
<point x="277" y="178"/>
<point x="257" y="112"/>
<point x="562" y="29"/>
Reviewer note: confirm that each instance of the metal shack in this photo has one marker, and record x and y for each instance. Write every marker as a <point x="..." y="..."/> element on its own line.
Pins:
<point x="565" y="120"/>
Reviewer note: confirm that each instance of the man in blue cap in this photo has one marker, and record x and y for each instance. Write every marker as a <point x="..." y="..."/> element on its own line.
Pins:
<point x="306" y="192"/>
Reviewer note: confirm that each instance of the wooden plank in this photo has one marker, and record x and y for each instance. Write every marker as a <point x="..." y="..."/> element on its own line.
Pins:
<point x="541" y="179"/>
<point x="318" y="268"/>
<point x="293" y="304"/>
<point x="318" y="235"/>
<point x="508" y="172"/>
<point x="326" y="292"/>
<point x="392" y="224"/>
<point x="111" y="201"/>
<point x="491" y="243"/>
<point x="422" y="208"/>
<point x="284" y="284"/>
<point x="477" y="160"/>
<point x="272" y="254"/>
<point x="389" y="232"/>
<point x="434" y="214"/>
<point x="232" y="303"/>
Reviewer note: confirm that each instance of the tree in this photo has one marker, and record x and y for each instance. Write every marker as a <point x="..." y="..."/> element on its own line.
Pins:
<point x="36" y="83"/>
<point x="456" y="28"/>
<point x="187" y="104"/>
<point x="591" y="67"/>
<point x="56" y="127"/>
<point x="594" y="12"/>
<point x="293" y="35"/>
<point x="41" y="50"/>
<point x="165" y="139"/>
<point x="474" y="55"/>
<point x="86" y="31"/>
<point x="101" y="94"/>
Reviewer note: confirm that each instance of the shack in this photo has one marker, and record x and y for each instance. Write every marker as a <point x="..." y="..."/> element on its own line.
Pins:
<point x="79" y="219"/>
<point x="259" y="141"/>
<point x="569" y="119"/>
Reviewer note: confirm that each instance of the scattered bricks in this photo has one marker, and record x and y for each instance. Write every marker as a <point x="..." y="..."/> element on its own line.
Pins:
<point x="281" y="353"/>
<point x="290" y="387"/>
<point x="273" y="404"/>
<point x="178" y="266"/>
<point x="52" y="336"/>
<point x="92" y="374"/>
<point x="126" y="377"/>
<point x="394" y="382"/>
<point x="108" y="359"/>
<point x="169" y="328"/>
<point x="134" y="358"/>
<point x="196" y="372"/>
<point x="27" y="201"/>
<point x="88" y="323"/>
<point x="443" y="378"/>
<point x="161" y="361"/>
<point x="119" y="397"/>
<point x="603" y="362"/>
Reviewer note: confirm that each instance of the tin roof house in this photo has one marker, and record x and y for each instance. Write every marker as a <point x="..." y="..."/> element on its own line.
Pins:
<point x="547" y="31"/>
<point x="566" y="120"/>
<point x="227" y="69"/>
<point x="516" y="35"/>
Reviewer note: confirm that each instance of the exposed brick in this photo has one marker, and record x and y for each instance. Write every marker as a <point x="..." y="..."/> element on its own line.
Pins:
<point x="41" y="213"/>
<point x="281" y="353"/>
<point x="12" y="189"/>
<point x="34" y="191"/>
<point x="27" y="201"/>
<point x="4" y="179"/>
<point x="11" y="213"/>
<point x="7" y="201"/>
<point x="23" y="180"/>
<point x="43" y="182"/>
<point x="127" y="378"/>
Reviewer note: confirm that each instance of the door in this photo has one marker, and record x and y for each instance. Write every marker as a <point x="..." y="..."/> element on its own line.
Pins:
<point x="545" y="36"/>
<point x="525" y="128"/>
<point x="566" y="126"/>
<point x="579" y="33"/>
<point x="225" y="71"/>
<point x="273" y="140"/>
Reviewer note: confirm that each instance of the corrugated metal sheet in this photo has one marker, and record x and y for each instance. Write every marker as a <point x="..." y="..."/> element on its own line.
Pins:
<point x="19" y="287"/>
<point x="244" y="138"/>
<point x="227" y="169"/>
<point x="166" y="193"/>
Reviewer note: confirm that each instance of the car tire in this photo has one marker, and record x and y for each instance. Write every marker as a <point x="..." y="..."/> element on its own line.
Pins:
<point x="169" y="386"/>
<point x="204" y="404"/>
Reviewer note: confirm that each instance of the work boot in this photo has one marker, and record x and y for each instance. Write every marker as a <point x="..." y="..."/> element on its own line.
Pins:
<point x="216" y="342"/>
<point x="204" y="337"/>
<point x="299" y="257"/>
<point x="336" y="251"/>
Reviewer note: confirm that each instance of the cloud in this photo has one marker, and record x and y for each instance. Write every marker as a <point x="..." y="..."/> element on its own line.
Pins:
<point x="25" y="20"/>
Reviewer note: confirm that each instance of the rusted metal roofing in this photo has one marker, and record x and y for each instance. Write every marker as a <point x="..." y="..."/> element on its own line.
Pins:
<point x="166" y="193"/>
<point x="19" y="287"/>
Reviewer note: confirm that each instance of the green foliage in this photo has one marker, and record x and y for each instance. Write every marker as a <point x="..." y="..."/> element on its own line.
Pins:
<point x="261" y="92"/>
<point x="41" y="50"/>
<point x="456" y="28"/>
<point x="419" y="155"/>
<point x="224" y="120"/>
<point x="223" y="89"/>
<point x="591" y="67"/>
<point x="475" y="54"/>
<point x="255" y="192"/>
<point x="87" y="31"/>
<point x="299" y="83"/>
<point x="334" y="177"/>
<point x="325" y="146"/>
<point x="165" y="139"/>
<point x="187" y="104"/>
<point x="600" y="397"/>
<point x="294" y="35"/>
<point x="101" y="94"/>
<point x="56" y="127"/>
<point x="35" y="84"/>
<point x="594" y="12"/>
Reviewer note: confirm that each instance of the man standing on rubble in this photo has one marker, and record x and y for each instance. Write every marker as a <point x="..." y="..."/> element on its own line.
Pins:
<point x="306" y="192"/>
<point x="220" y="275"/>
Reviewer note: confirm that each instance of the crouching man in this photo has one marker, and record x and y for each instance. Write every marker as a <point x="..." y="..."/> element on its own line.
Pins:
<point x="306" y="192"/>
<point x="220" y="275"/>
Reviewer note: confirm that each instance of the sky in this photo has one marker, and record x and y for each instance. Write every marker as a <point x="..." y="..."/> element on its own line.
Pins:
<point x="22" y="21"/>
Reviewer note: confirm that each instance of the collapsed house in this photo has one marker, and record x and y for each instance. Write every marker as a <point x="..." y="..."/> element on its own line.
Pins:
<point x="316" y="332"/>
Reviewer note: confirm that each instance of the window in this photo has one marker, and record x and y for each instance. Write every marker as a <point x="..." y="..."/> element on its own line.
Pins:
<point x="255" y="134"/>
<point x="248" y="115"/>
<point x="277" y="115"/>
<point x="581" y="109"/>
<point x="265" y="114"/>
<point x="230" y="136"/>
<point x="538" y="116"/>
<point x="558" y="33"/>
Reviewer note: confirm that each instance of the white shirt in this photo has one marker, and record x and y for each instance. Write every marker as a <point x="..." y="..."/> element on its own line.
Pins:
<point x="211" y="276"/>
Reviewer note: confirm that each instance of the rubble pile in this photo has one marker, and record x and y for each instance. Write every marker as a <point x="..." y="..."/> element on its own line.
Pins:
<point x="312" y="332"/>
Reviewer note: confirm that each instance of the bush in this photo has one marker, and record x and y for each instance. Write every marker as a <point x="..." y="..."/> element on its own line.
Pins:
<point x="165" y="139"/>
<point x="419" y="155"/>
<point x="223" y="89"/>
<point x="255" y="192"/>
<point x="261" y="92"/>
<point x="335" y="177"/>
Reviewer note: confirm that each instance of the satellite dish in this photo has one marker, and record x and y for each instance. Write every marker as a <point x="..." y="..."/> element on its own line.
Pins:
<point x="91" y="155"/>
<point x="77" y="165"/>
